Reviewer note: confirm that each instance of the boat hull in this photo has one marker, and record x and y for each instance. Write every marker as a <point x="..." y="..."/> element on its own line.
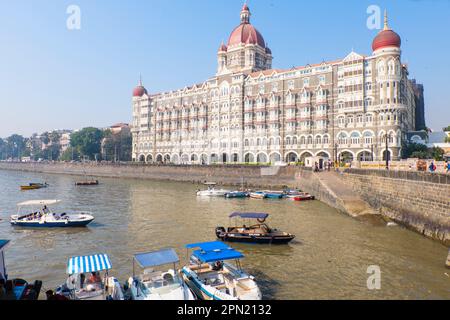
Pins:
<point x="70" y="224"/>
<point x="254" y="195"/>
<point x="274" y="196"/>
<point x="255" y="240"/>
<point x="236" y="195"/>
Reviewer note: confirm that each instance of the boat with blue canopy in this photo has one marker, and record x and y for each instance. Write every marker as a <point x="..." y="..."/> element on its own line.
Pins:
<point x="252" y="232"/>
<point x="211" y="278"/>
<point x="37" y="214"/>
<point x="155" y="284"/>
<point x="15" y="289"/>
<point x="85" y="281"/>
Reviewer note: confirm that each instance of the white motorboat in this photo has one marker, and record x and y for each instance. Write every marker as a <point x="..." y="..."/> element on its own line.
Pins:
<point x="212" y="279"/>
<point x="212" y="191"/>
<point x="86" y="283"/>
<point x="157" y="285"/>
<point x="41" y="216"/>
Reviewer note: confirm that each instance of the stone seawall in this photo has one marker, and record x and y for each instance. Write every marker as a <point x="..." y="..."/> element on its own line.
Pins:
<point x="418" y="200"/>
<point x="252" y="176"/>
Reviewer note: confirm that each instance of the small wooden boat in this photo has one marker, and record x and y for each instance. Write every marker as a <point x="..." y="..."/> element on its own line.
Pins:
<point x="300" y="196"/>
<point x="87" y="183"/>
<point x="210" y="278"/>
<point x="40" y="216"/>
<point x="34" y="186"/>
<point x="16" y="289"/>
<point x="274" y="195"/>
<point x="257" y="233"/>
<point x="237" y="194"/>
<point x="86" y="283"/>
<point x="157" y="285"/>
<point x="258" y="195"/>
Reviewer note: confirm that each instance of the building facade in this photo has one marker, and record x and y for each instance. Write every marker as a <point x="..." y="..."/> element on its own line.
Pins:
<point x="356" y="108"/>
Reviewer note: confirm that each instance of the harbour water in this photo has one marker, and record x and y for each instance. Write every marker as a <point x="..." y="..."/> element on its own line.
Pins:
<point x="328" y="260"/>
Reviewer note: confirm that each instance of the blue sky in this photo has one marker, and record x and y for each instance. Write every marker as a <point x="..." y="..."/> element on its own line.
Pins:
<point x="53" y="78"/>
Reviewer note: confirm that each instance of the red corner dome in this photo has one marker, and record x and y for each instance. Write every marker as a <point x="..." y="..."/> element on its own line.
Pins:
<point x="386" y="38"/>
<point x="139" y="91"/>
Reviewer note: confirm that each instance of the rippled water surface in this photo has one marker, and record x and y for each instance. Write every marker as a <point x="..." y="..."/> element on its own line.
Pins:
<point x="328" y="260"/>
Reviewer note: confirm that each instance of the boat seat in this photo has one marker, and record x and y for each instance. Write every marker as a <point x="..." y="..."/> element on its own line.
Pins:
<point x="243" y="286"/>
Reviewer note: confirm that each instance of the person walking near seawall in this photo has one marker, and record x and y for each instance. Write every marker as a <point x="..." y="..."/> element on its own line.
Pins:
<point x="432" y="167"/>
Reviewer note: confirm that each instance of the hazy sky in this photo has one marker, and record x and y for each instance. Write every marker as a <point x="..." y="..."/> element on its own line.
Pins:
<point x="53" y="78"/>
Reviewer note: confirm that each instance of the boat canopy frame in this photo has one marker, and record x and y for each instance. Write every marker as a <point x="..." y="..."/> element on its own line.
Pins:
<point x="214" y="251"/>
<point x="155" y="259"/>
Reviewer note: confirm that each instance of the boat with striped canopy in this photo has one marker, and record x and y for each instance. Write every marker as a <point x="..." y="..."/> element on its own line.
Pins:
<point x="95" y="287"/>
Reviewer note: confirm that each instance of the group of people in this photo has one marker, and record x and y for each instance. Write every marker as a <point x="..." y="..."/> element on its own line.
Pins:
<point x="432" y="167"/>
<point x="327" y="166"/>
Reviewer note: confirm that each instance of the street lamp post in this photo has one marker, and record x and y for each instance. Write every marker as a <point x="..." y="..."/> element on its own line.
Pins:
<point x="336" y="154"/>
<point x="387" y="136"/>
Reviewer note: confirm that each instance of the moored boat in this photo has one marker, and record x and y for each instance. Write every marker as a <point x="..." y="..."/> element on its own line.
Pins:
<point x="210" y="278"/>
<point x="300" y="196"/>
<point x="40" y="216"/>
<point x="95" y="287"/>
<point x="258" y="195"/>
<point x="157" y="285"/>
<point x="237" y="194"/>
<point x="274" y="195"/>
<point x="15" y="289"/>
<point x="212" y="191"/>
<point x="34" y="186"/>
<point x="256" y="233"/>
<point x="87" y="183"/>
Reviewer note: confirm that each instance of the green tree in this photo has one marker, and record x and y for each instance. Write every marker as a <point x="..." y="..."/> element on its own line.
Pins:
<point x="15" y="146"/>
<point x="415" y="150"/>
<point x="118" y="146"/>
<point x="70" y="154"/>
<point x="447" y="129"/>
<point x="87" y="142"/>
<point x="437" y="153"/>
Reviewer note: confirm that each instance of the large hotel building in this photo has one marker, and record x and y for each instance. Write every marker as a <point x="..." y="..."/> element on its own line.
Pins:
<point x="347" y="109"/>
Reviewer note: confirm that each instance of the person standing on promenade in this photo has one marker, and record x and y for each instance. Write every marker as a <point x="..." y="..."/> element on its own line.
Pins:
<point x="432" y="167"/>
<point x="447" y="167"/>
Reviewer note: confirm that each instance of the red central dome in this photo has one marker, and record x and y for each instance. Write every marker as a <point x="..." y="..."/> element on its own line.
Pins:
<point x="245" y="33"/>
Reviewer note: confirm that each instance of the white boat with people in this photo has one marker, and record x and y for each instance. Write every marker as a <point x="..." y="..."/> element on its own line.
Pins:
<point x="85" y="281"/>
<point x="156" y="284"/>
<point x="212" y="191"/>
<point x="210" y="278"/>
<point x="37" y="214"/>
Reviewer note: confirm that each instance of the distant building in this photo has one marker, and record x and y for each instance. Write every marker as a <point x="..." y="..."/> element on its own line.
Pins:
<point x="64" y="141"/>
<point x="251" y="112"/>
<point x="119" y="127"/>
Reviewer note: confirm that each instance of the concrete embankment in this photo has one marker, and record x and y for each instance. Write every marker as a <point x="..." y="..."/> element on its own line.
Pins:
<point x="419" y="201"/>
